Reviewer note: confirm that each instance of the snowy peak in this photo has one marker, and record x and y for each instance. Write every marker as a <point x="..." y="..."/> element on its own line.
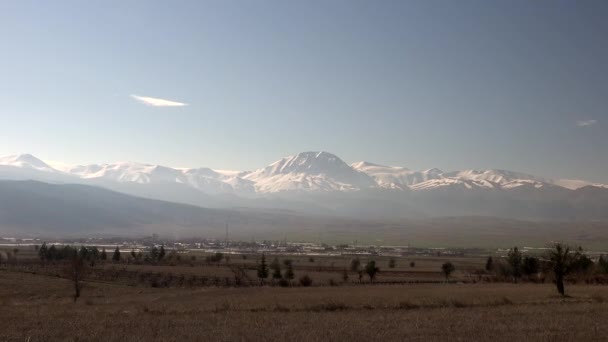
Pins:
<point x="310" y="171"/>
<point x="25" y="161"/>
<point x="312" y="163"/>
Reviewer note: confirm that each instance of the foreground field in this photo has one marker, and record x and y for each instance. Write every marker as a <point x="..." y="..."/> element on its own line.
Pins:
<point x="36" y="307"/>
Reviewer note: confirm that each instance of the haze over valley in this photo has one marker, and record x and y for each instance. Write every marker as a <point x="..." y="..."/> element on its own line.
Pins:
<point x="304" y="197"/>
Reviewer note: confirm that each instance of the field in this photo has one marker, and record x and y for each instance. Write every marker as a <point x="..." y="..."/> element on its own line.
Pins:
<point x="36" y="307"/>
<point x="197" y="300"/>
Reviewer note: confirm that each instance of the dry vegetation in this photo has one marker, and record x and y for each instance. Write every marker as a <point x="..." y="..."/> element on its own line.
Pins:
<point x="196" y="297"/>
<point x="128" y="299"/>
<point x="36" y="307"/>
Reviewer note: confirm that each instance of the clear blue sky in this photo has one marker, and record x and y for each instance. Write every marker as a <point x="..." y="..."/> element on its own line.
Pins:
<point x="448" y="84"/>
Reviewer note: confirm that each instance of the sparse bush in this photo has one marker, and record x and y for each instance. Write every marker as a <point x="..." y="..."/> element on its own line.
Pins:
<point x="330" y="307"/>
<point x="217" y="257"/>
<point x="289" y="275"/>
<point x="412" y="264"/>
<point x="531" y="265"/>
<point x="447" y="269"/>
<point x="116" y="255"/>
<point x="371" y="270"/>
<point x="262" y="269"/>
<point x="275" y="266"/>
<point x="355" y="264"/>
<point x="489" y="264"/>
<point x="311" y="259"/>
<point x="392" y="263"/>
<point x="74" y="270"/>
<point x="407" y="306"/>
<point x="305" y="280"/>
<point x="514" y="259"/>
<point x="602" y="264"/>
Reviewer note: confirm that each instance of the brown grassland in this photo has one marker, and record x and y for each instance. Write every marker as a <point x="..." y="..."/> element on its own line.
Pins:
<point x="37" y="305"/>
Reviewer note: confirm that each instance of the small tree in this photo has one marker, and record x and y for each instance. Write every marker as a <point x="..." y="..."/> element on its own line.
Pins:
<point x="355" y="264"/>
<point x="345" y="275"/>
<point x="392" y="263"/>
<point x="489" y="264"/>
<point x="602" y="263"/>
<point x="514" y="259"/>
<point x="412" y="264"/>
<point x="275" y="266"/>
<point x="104" y="255"/>
<point x="161" y="252"/>
<point x="15" y="253"/>
<point x="75" y="269"/>
<point x="116" y="255"/>
<point x="154" y="254"/>
<point x="262" y="269"/>
<point x="530" y="266"/>
<point x="289" y="271"/>
<point x="305" y="280"/>
<point x="371" y="270"/>
<point x="562" y="261"/>
<point x="447" y="269"/>
<point x="43" y="252"/>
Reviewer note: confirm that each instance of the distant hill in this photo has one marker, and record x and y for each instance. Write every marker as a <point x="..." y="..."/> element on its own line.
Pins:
<point x="30" y="208"/>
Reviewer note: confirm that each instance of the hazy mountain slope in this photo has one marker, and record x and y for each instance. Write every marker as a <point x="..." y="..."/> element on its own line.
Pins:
<point x="30" y="208"/>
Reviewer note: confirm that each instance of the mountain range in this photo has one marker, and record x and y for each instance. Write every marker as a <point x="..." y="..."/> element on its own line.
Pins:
<point x="321" y="183"/>
<point x="304" y="172"/>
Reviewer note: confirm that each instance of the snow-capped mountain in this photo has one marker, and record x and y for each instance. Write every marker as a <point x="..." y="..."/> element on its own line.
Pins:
<point x="309" y="171"/>
<point x="25" y="161"/>
<point x="304" y="172"/>
<point x="322" y="183"/>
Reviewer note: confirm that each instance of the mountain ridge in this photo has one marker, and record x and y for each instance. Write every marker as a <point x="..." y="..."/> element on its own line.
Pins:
<point x="304" y="172"/>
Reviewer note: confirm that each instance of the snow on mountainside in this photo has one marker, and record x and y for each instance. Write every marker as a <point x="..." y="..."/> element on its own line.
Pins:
<point x="26" y="161"/>
<point x="309" y="171"/>
<point x="304" y="172"/>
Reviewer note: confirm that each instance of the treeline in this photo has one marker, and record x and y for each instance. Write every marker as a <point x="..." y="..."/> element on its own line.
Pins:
<point x="93" y="254"/>
<point x="559" y="263"/>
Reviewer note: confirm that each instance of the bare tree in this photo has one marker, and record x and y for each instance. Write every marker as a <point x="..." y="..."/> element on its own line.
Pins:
<point x="562" y="261"/>
<point x="74" y="270"/>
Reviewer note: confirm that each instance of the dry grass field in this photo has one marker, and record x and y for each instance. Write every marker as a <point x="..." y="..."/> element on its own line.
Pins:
<point x="40" y="308"/>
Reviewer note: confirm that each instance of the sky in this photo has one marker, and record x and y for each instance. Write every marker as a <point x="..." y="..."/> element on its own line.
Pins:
<point x="519" y="85"/>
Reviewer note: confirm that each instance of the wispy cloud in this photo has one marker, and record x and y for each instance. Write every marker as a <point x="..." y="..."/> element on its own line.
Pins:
<point x="155" y="102"/>
<point x="586" y="123"/>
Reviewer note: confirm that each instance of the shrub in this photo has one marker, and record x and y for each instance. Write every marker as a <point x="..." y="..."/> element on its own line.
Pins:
<point x="305" y="280"/>
<point x="447" y="269"/>
<point x="371" y="270"/>
<point x="355" y="264"/>
<point x="489" y="264"/>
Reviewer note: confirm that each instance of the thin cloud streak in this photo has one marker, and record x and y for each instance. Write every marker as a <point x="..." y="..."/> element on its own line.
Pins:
<point x="156" y="102"/>
<point x="586" y="123"/>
